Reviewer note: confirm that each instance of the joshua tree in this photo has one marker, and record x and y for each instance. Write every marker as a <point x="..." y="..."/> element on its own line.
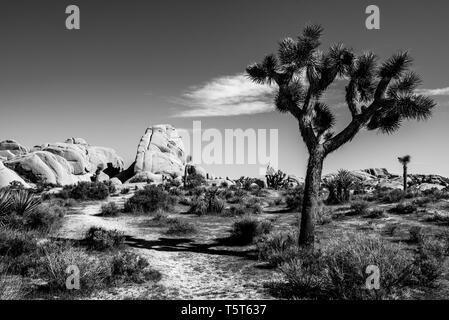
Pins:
<point x="404" y="161"/>
<point x="378" y="96"/>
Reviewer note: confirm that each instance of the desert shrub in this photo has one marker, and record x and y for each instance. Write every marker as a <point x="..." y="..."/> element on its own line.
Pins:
<point x="388" y="195"/>
<point x="358" y="208"/>
<point x="86" y="191"/>
<point x="149" y="200"/>
<point x="65" y="203"/>
<point x="390" y="229"/>
<point x="416" y="234"/>
<point x="429" y="261"/>
<point x="252" y="205"/>
<point x="184" y="201"/>
<point x="246" y="229"/>
<point x="422" y="202"/>
<point x="175" y="191"/>
<point x="11" y="287"/>
<point x="45" y="217"/>
<point x="178" y="226"/>
<point x="125" y="191"/>
<point x="197" y="191"/>
<point x="339" y="187"/>
<point x="435" y="195"/>
<point x="216" y="205"/>
<point x="324" y="215"/>
<point x="195" y="180"/>
<point x="240" y="193"/>
<point x="100" y="239"/>
<point x="209" y="203"/>
<point x="19" y="251"/>
<point x="53" y="266"/>
<point x="159" y="219"/>
<point x="437" y="217"/>
<point x="199" y="206"/>
<point x="110" y="210"/>
<point x="338" y="270"/>
<point x="224" y="184"/>
<point x="278" y="247"/>
<point x="246" y="182"/>
<point x="237" y="210"/>
<point x="173" y="183"/>
<point x="14" y="243"/>
<point x="258" y="192"/>
<point x="276" y="179"/>
<point x="293" y="197"/>
<point x="128" y="266"/>
<point x="404" y="208"/>
<point x="375" y="214"/>
<point x="226" y="194"/>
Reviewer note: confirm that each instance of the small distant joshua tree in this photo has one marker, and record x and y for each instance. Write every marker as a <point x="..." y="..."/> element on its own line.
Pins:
<point x="379" y="97"/>
<point x="404" y="161"/>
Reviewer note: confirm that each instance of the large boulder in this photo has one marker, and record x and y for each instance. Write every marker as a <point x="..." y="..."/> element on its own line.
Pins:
<point x="7" y="176"/>
<point x="362" y="175"/>
<point x="84" y="158"/>
<point x="378" y="172"/>
<point x="43" y="166"/>
<point x="160" y="151"/>
<point x="11" y="148"/>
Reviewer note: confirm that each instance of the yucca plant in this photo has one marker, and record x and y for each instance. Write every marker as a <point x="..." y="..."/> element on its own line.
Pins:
<point x="24" y="202"/>
<point x="5" y="202"/>
<point x="378" y="97"/>
<point x="339" y="187"/>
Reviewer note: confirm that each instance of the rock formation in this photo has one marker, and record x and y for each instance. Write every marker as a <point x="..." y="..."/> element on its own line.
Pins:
<point x="7" y="176"/>
<point x="63" y="163"/>
<point x="160" y="152"/>
<point x="381" y="178"/>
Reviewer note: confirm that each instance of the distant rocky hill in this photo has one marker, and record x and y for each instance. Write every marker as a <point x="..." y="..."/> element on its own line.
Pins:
<point x="380" y="177"/>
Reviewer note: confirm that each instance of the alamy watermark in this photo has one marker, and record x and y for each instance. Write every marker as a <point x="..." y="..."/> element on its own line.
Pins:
<point x="232" y="146"/>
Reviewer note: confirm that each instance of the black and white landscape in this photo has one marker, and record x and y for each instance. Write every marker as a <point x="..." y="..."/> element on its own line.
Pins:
<point x="211" y="150"/>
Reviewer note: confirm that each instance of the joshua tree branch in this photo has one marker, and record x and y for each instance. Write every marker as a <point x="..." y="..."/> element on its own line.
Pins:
<point x="350" y="99"/>
<point x="358" y="119"/>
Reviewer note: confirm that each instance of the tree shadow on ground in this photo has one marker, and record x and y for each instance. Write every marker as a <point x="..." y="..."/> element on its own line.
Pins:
<point x="188" y="245"/>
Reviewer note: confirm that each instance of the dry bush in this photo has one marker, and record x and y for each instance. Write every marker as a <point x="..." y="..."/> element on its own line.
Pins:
<point x="110" y="210"/>
<point x="246" y="229"/>
<point x="149" y="200"/>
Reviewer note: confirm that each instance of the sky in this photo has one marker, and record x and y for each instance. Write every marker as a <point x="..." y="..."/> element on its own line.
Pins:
<point x="134" y="64"/>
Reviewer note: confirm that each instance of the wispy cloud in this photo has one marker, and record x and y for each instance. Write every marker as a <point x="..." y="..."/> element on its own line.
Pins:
<point x="226" y="96"/>
<point x="434" y="92"/>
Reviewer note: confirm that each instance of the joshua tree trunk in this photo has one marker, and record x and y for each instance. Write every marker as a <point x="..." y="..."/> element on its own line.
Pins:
<point x="404" y="176"/>
<point x="311" y="198"/>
